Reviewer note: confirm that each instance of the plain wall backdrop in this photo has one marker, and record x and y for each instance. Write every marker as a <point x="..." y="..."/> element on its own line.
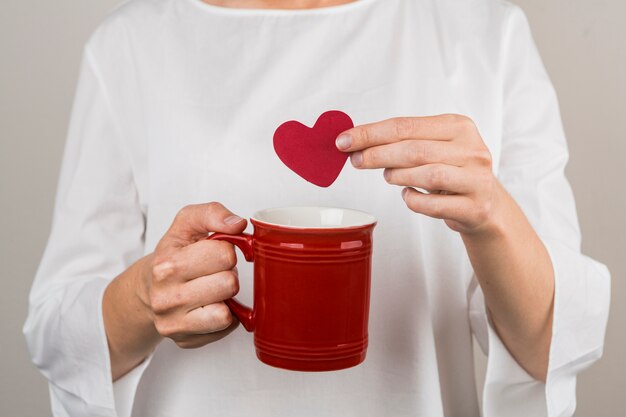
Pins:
<point x="583" y="44"/>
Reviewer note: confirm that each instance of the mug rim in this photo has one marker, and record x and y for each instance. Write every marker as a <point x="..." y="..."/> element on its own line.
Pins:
<point x="370" y="222"/>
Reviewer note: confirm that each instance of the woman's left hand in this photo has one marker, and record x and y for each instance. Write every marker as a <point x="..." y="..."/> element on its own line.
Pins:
<point x="444" y="155"/>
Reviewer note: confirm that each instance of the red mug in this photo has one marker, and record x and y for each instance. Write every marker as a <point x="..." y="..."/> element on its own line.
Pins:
<point x="312" y="269"/>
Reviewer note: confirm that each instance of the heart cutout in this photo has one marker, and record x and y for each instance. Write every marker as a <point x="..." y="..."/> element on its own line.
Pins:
<point x="310" y="152"/>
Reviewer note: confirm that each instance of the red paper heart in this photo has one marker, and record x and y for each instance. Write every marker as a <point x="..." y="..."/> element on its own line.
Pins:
<point x="310" y="151"/>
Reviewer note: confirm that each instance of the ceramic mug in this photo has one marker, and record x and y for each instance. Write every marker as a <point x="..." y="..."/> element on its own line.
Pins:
<point x="312" y="270"/>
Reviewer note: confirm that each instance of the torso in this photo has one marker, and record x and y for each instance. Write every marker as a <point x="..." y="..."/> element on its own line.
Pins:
<point x="209" y="88"/>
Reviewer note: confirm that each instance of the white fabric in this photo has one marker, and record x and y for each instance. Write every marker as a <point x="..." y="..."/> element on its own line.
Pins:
<point x="177" y="103"/>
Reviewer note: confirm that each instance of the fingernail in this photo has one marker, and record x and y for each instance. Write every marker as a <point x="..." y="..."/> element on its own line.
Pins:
<point x="405" y="191"/>
<point x="387" y="175"/>
<point x="356" y="158"/>
<point x="343" y="142"/>
<point x="232" y="219"/>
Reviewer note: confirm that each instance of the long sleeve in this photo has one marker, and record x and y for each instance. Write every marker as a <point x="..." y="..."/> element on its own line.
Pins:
<point x="97" y="232"/>
<point x="533" y="158"/>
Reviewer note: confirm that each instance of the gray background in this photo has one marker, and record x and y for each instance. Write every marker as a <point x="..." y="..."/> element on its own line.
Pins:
<point x="584" y="47"/>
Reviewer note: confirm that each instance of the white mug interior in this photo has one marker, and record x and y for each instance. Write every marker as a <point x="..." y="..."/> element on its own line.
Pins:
<point x="314" y="217"/>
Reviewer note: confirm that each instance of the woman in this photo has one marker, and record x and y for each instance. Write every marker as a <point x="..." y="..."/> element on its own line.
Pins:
<point x="176" y="107"/>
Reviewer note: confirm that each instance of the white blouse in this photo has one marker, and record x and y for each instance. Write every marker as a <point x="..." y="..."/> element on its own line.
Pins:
<point x="177" y="103"/>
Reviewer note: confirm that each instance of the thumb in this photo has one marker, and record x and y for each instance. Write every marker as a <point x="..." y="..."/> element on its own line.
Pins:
<point x="195" y="221"/>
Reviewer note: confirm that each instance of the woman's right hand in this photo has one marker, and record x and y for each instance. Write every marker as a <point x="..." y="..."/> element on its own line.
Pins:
<point x="176" y="292"/>
<point x="190" y="276"/>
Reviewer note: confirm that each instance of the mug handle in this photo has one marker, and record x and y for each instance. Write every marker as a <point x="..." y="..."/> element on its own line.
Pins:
<point x="243" y="241"/>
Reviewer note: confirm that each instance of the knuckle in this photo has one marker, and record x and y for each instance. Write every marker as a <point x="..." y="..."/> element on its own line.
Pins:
<point x="404" y="127"/>
<point x="164" y="269"/>
<point x="436" y="211"/>
<point x="366" y="136"/>
<point x="165" y="328"/>
<point x="458" y="118"/>
<point x="228" y="256"/>
<point x="184" y="213"/>
<point x="232" y="284"/>
<point x="434" y="208"/>
<point x="222" y="316"/>
<point x="466" y="124"/>
<point x="358" y="135"/>
<point x="462" y="119"/>
<point x="437" y="177"/>
<point x="484" y="157"/>
<point x="452" y="118"/>
<point x="214" y="206"/>
<point x="463" y="123"/>
<point x="160" y="303"/>
<point x="483" y="212"/>
<point x="363" y="136"/>
<point x="418" y="153"/>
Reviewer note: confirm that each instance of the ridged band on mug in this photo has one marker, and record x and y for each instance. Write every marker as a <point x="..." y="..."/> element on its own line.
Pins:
<point x="308" y="353"/>
<point x="321" y="255"/>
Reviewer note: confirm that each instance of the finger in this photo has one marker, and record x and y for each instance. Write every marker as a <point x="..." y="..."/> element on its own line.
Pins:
<point x="204" y="257"/>
<point x="199" y="340"/>
<point x="409" y="153"/>
<point x="443" y="127"/>
<point x="195" y="221"/>
<point x="449" y="207"/>
<point x="432" y="177"/>
<point x="210" y="289"/>
<point x="196" y="293"/>
<point x="210" y="318"/>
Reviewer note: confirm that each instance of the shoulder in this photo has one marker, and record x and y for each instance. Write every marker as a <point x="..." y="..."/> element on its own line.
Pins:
<point x="485" y="35"/>
<point x="476" y="19"/>
<point x="130" y="22"/>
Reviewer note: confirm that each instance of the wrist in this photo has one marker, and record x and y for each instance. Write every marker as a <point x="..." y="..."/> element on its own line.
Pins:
<point x="141" y="280"/>
<point x="129" y="294"/>
<point x="128" y="319"/>
<point x="497" y="223"/>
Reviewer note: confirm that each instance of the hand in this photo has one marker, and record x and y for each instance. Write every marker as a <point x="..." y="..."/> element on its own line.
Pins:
<point x="444" y="155"/>
<point x="190" y="277"/>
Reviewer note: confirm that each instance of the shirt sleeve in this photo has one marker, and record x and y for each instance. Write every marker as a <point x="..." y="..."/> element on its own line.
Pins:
<point x="97" y="232"/>
<point x="533" y="158"/>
